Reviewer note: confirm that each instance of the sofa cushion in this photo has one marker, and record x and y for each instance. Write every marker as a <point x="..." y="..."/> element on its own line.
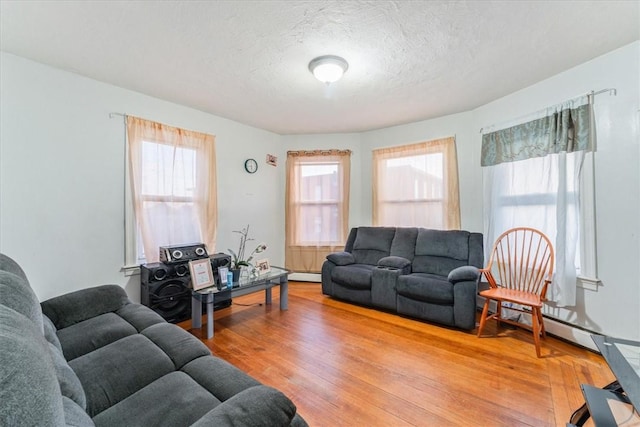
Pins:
<point x="226" y="382"/>
<point x="91" y="334"/>
<point x="355" y="276"/>
<point x="74" y="307"/>
<point x="74" y="415"/>
<point x="404" y="242"/>
<point x="426" y="287"/>
<point x="465" y="273"/>
<point x="443" y="243"/>
<point x="341" y="258"/>
<point x="178" y="344"/>
<point x="139" y="316"/>
<point x="394" y="262"/>
<point x="18" y="295"/>
<point x="29" y="391"/>
<point x="147" y="407"/>
<point x="70" y="385"/>
<point x="116" y="371"/>
<point x="372" y="243"/>
<point x="255" y="406"/>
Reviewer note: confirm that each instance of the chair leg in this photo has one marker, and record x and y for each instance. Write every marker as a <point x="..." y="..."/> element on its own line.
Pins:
<point x="483" y="316"/>
<point x="542" y="328"/>
<point x="535" y="321"/>
<point x="498" y="313"/>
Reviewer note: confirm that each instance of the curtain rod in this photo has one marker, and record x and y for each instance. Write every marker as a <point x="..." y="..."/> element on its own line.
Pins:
<point x="112" y="115"/>
<point x="612" y="92"/>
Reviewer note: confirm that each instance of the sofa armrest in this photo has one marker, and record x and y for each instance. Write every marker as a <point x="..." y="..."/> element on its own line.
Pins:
<point x="341" y="258"/>
<point x="394" y="262"/>
<point x="466" y="273"/>
<point x="258" y="405"/>
<point x="74" y="307"/>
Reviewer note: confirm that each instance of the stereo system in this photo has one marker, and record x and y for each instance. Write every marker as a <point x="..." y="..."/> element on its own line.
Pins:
<point x="166" y="287"/>
<point x="180" y="253"/>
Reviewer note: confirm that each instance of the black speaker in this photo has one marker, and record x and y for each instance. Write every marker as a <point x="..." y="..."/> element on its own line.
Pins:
<point x="181" y="253"/>
<point x="166" y="292"/>
<point x="166" y="289"/>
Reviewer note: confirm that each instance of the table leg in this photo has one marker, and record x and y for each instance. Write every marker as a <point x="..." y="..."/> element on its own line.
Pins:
<point x="267" y="296"/>
<point x="284" y="293"/>
<point x="209" y="316"/>
<point x="196" y="312"/>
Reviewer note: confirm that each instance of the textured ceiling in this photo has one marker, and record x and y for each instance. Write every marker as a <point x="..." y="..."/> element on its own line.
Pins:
<point x="247" y="60"/>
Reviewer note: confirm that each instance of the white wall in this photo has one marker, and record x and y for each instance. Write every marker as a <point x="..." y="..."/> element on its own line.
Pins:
<point x="62" y="176"/>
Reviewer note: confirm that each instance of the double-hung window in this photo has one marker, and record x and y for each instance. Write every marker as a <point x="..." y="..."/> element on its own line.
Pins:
<point x="317" y="207"/>
<point x="417" y="185"/>
<point x="539" y="174"/>
<point x="173" y="188"/>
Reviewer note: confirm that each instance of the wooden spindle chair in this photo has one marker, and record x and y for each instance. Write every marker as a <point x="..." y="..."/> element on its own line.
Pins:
<point x="522" y="259"/>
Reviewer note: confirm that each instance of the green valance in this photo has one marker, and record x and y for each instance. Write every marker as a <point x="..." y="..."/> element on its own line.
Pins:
<point x="568" y="129"/>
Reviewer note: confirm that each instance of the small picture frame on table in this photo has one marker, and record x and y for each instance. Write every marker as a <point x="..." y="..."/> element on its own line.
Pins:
<point x="263" y="266"/>
<point x="201" y="274"/>
<point x="222" y="276"/>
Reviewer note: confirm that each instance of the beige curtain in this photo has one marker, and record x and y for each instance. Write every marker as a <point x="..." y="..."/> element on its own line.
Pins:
<point x="417" y="185"/>
<point x="173" y="183"/>
<point x="317" y="207"/>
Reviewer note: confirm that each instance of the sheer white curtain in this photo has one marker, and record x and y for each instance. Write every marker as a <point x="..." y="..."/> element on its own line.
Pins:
<point x="542" y="193"/>
<point x="173" y="184"/>
<point x="417" y="185"/>
<point x="531" y="177"/>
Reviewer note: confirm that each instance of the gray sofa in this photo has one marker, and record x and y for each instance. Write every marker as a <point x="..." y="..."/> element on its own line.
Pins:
<point x="426" y="274"/>
<point x="93" y="357"/>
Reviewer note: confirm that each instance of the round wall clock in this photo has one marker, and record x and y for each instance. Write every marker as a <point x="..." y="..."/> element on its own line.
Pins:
<point x="250" y="165"/>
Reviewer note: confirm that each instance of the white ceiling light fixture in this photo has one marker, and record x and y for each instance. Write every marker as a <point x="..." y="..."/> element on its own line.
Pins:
<point x="328" y="68"/>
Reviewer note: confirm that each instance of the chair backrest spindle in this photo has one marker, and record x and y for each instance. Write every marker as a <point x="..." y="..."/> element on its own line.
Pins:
<point x="523" y="260"/>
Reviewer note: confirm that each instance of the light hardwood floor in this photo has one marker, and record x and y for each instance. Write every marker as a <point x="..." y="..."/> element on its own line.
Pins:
<point x="346" y="365"/>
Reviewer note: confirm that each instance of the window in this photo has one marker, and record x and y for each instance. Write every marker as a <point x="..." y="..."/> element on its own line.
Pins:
<point x="539" y="174"/>
<point x="173" y="189"/>
<point x="417" y="185"/>
<point x="317" y="207"/>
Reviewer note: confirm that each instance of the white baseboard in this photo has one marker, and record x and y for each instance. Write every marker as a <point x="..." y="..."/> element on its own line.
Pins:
<point x="305" y="277"/>
<point x="557" y="328"/>
<point x="569" y="333"/>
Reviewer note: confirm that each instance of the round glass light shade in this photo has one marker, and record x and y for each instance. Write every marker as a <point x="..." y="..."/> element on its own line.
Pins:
<point x="329" y="68"/>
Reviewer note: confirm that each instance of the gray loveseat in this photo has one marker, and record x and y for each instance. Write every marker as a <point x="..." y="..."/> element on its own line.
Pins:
<point x="422" y="273"/>
<point x="92" y="357"/>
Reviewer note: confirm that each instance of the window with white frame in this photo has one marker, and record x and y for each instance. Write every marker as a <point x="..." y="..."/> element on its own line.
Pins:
<point x="416" y="185"/>
<point x="540" y="174"/>
<point x="172" y="189"/>
<point x="317" y="206"/>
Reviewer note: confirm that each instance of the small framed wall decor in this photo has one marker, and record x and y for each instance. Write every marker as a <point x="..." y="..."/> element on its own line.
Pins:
<point x="263" y="266"/>
<point x="201" y="274"/>
<point x="272" y="160"/>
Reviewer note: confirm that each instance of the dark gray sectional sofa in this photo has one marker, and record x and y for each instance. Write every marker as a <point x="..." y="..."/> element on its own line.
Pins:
<point x="426" y="274"/>
<point x="93" y="357"/>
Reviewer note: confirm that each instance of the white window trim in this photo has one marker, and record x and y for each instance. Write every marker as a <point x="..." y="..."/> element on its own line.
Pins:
<point x="131" y="266"/>
<point x="588" y="278"/>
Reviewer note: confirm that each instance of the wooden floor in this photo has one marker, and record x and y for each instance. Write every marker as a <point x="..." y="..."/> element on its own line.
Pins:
<point x="346" y="365"/>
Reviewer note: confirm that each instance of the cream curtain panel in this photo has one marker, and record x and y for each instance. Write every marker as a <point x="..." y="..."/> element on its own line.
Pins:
<point x="317" y="207"/>
<point x="417" y="185"/>
<point x="532" y="176"/>
<point x="173" y="183"/>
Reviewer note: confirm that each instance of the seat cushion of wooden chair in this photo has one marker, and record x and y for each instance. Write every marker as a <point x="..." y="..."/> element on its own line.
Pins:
<point x="513" y="295"/>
